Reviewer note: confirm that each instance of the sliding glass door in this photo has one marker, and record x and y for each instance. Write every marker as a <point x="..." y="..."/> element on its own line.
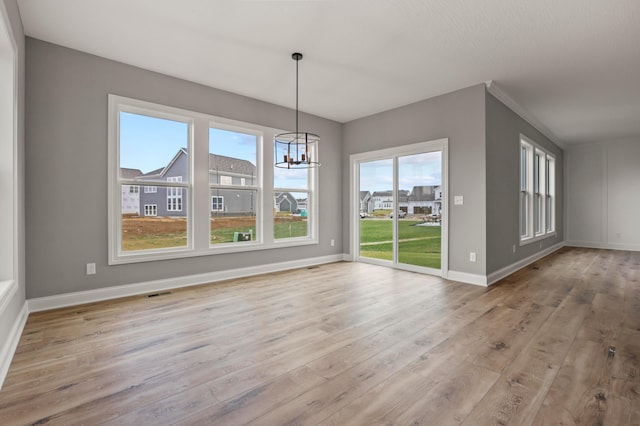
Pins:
<point x="420" y="192"/>
<point x="400" y="198"/>
<point x="376" y="224"/>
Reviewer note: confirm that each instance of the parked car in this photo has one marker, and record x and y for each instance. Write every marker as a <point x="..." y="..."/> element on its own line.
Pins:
<point x="363" y="215"/>
<point x="401" y="214"/>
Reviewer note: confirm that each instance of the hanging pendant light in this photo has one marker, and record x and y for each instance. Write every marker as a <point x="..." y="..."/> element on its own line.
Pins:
<point x="297" y="150"/>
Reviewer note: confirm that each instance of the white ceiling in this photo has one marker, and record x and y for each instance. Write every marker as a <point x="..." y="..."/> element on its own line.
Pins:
<point x="572" y="65"/>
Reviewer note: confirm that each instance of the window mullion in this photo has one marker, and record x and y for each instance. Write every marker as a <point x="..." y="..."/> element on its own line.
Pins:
<point x="201" y="200"/>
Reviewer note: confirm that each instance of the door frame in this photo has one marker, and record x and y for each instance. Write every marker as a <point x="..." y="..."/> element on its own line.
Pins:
<point x="441" y="145"/>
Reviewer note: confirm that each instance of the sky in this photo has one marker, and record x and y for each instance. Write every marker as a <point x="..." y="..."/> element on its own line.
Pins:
<point x="413" y="170"/>
<point x="149" y="143"/>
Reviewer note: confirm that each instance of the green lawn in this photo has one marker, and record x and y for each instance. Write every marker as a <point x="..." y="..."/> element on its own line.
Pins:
<point x="419" y="245"/>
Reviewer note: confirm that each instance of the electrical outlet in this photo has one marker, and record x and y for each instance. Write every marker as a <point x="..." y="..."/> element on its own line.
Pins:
<point x="514" y="248"/>
<point x="472" y="256"/>
<point x="91" y="268"/>
<point x="458" y="200"/>
<point x="333" y="243"/>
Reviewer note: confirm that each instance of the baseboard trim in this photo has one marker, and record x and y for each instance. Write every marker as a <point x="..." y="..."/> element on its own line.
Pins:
<point x="603" y="246"/>
<point x="89" y="296"/>
<point x="467" y="278"/>
<point x="496" y="276"/>
<point x="9" y="348"/>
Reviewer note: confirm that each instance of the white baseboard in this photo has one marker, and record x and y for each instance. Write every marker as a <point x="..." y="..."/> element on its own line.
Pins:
<point x="467" y="278"/>
<point x="89" y="296"/>
<point x="605" y="246"/>
<point x="11" y="344"/>
<point x="496" y="276"/>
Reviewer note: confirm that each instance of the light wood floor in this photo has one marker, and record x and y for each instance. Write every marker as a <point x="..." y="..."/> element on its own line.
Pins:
<point x="345" y="344"/>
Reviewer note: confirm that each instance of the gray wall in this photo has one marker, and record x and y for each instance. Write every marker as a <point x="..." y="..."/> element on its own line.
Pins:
<point x="67" y="169"/>
<point x="503" y="186"/>
<point x="10" y="314"/>
<point x="603" y="188"/>
<point x="458" y="116"/>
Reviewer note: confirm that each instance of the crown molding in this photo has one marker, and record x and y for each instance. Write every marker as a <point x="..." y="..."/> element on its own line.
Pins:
<point x="503" y="97"/>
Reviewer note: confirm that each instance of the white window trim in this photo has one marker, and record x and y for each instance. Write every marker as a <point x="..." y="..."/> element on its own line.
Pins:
<point x="150" y="189"/>
<point x="221" y="204"/>
<point x="174" y="195"/>
<point x="198" y="188"/>
<point x="534" y="151"/>
<point x="151" y="207"/>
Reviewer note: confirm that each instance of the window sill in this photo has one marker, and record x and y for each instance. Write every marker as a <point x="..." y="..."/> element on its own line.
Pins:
<point x="532" y="240"/>
<point x="230" y="248"/>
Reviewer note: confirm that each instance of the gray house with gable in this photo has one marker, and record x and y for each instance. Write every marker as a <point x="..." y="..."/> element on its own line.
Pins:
<point x="223" y="171"/>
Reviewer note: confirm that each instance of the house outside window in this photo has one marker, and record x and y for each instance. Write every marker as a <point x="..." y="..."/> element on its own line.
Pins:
<point x="537" y="192"/>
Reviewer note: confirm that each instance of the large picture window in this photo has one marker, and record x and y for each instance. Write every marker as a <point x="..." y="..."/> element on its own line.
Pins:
<point x="537" y="192"/>
<point x="202" y="186"/>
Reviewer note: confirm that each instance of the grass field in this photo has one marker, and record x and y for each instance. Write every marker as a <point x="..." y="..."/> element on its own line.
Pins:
<point x="418" y="245"/>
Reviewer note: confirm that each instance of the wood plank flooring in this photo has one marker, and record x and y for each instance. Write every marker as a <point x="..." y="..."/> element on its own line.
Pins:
<point x="345" y="344"/>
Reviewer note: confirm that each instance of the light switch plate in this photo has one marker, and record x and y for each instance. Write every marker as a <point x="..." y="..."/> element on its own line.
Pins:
<point x="458" y="200"/>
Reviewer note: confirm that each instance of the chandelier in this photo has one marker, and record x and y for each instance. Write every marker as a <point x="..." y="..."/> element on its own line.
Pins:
<point x="296" y="150"/>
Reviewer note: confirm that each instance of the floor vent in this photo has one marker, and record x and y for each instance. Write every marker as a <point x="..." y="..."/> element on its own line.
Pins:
<point x="158" y="294"/>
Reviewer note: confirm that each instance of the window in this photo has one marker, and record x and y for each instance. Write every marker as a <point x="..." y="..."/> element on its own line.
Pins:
<point x="217" y="203"/>
<point x="134" y="189"/>
<point x="188" y="160"/>
<point x="537" y="192"/>
<point x="174" y="195"/>
<point x="151" y="210"/>
<point x="233" y="156"/>
<point x="550" y="181"/>
<point x="293" y="202"/>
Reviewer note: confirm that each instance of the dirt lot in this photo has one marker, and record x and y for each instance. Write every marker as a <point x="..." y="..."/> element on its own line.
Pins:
<point x="144" y="226"/>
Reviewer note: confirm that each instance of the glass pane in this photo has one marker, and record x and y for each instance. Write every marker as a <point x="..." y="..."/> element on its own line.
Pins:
<point x="523" y="214"/>
<point x="149" y="144"/>
<point x="523" y="169"/>
<point x="233" y="215"/>
<point x="549" y="218"/>
<point x="537" y="213"/>
<point x="376" y="208"/>
<point x="290" y="178"/>
<point x="159" y="222"/>
<point x="232" y="158"/>
<point x="291" y="210"/>
<point x="420" y="209"/>
<point x="153" y="149"/>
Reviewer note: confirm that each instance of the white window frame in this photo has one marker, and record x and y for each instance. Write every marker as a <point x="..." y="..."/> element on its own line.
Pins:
<point x="197" y="196"/>
<point x="536" y="193"/>
<point x="150" y="189"/>
<point x="151" y="210"/>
